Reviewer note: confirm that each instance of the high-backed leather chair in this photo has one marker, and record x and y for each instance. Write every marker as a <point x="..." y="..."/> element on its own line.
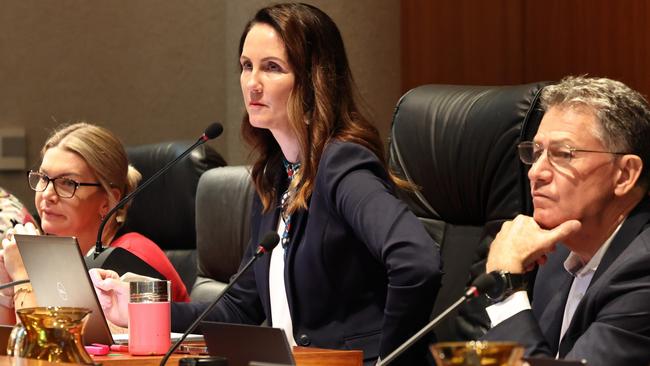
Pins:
<point x="458" y="144"/>
<point x="164" y="211"/>
<point x="223" y="208"/>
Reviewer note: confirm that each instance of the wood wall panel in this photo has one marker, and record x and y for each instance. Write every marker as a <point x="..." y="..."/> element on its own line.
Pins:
<point x="462" y="41"/>
<point x="506" y="42"/>
<point x="595" y="37"/>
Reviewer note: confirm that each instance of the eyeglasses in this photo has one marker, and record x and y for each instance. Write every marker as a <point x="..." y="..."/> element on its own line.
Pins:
<point x="63" y="187"/>
<point x="558" y="153"/>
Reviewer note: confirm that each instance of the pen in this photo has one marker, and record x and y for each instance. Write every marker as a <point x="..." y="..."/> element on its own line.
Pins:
<point x="119" y="347"/>
<point x="97" y="349"/>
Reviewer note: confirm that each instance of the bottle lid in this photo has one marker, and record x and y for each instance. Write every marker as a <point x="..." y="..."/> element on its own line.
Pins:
<point x="149" y="291"/>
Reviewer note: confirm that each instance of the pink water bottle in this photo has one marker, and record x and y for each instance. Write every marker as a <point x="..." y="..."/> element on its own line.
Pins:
<point x="149" y="317"/>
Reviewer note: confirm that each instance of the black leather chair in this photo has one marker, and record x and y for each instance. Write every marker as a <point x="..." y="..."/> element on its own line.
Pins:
<point x="164" y="211"/>
<point x="458" y="144"/>
<point x="223" y="204"/>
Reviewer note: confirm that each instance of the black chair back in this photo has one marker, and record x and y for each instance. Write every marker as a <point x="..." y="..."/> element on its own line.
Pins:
<point x="223" y="208"/>
<point x="458" y="144"/>
<point x="164" y="211"/>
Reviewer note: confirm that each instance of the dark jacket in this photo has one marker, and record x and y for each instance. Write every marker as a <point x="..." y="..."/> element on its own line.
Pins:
<point x="361" y="272"/>
<point x="611" y="325"/>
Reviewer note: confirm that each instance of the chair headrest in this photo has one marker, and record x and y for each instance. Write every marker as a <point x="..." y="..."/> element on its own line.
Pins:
<point x="223" y="210"/>
<point x="164" y="211"/>
<point x="458" y="144"/>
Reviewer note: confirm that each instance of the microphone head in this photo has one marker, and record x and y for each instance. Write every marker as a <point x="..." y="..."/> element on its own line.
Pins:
<point x="213" y="131"/>
<point x="490" y="283"/>
<point x="270" y="241"/>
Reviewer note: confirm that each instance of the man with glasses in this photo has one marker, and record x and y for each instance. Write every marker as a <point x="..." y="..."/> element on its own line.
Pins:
<point x="589" y="234"/>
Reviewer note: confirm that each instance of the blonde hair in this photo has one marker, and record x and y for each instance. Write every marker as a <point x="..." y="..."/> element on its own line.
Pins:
<point x="105" y="156"/>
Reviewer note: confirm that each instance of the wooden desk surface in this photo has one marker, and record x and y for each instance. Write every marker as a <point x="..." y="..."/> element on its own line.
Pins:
<point x="309" y="356"/>
<point x="304" y="356"/>
<point x="125" y="359"/>
<point x="17" y="361"/>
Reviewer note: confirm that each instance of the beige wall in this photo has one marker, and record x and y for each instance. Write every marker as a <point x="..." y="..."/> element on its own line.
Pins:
<point x="160" y="70"/>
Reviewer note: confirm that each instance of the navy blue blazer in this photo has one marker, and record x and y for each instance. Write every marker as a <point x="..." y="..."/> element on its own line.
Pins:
<point x="611" y="325"/>
<point x="360" y="273"/>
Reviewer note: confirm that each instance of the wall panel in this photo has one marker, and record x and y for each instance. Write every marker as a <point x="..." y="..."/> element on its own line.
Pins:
<point x="504" y="42"/>
<point x="461" y="42"/>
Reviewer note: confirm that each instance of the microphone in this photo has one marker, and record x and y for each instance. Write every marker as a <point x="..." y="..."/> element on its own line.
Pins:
<point x="12" y="284"/>
<point x="487" y="282"/>
<point x="267" y="244"/>
<point x="213" y="131"/>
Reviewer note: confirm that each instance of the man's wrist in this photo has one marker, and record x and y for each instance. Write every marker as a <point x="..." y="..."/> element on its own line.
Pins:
<point x="507" y="283"/>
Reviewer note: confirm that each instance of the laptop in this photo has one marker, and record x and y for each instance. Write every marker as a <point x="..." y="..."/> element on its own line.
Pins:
<point x="59" y="277"/>
<point x="246" y="344"/>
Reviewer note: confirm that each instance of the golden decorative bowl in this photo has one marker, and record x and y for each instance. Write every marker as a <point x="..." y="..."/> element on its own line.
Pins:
<point x="477" y="353"/>
<point x="51" y="333"/>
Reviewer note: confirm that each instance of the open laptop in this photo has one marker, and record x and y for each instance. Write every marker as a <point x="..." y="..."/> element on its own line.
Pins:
<point x="243" y="344"/>
<point x="59" y="277"/>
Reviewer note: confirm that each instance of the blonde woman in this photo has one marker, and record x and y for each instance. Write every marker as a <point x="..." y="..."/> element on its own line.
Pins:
<point x="83" y="174"/>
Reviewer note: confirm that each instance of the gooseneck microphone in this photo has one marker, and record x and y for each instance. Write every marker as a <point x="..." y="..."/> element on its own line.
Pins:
<point x="13" y="283"/>
<point x="213" y="131"/>
<point x="267" y="244"/>
<point x="487" y="282"/>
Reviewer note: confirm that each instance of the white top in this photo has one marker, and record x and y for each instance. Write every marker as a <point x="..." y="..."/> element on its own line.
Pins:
<point x="582" y="274"/>
<point x="280" y="314"/>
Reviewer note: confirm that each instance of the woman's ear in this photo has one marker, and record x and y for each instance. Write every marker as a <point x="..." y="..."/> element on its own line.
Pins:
<point x="113" y="196"/>
<point x="630" y="167"/>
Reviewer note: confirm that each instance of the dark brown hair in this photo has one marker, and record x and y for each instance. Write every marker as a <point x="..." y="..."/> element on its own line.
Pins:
<point x="322" y="105"/>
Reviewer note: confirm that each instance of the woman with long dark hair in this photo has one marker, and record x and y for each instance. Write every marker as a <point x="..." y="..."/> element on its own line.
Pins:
<point x="355" y="268"/>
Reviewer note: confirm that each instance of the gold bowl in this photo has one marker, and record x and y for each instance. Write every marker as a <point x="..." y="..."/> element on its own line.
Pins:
<point x="52" y="334"/>
<point x="477" y="353"/>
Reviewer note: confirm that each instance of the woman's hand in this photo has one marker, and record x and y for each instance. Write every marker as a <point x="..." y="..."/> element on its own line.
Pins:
<point x="12" y="262"/>
<point x="7" y="294"/>
<point x="113" y="295"/>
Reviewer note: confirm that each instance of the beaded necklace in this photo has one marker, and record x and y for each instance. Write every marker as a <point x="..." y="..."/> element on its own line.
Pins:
<point x="292" y="169"/>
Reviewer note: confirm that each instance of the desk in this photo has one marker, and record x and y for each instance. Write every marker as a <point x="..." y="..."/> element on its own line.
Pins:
<point x="309" y="356"/>
<point x="17" y="361"/>
<point x="125" y="359"/>
<point x="304" y="356"/>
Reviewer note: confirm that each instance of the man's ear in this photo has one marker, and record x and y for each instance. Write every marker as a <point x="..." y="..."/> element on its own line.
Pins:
<point x="630" y="167"/>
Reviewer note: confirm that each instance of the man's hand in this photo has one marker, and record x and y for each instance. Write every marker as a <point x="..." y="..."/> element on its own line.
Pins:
<point x="521" y="243"/>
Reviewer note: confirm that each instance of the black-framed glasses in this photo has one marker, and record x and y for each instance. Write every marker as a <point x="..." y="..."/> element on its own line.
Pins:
<point x="63" y="187"/>
<point x="558" y="153"/>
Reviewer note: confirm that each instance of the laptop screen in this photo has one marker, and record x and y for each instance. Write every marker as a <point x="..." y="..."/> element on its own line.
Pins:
<point x="59" y="277"/>
<point x="243" y="344"/>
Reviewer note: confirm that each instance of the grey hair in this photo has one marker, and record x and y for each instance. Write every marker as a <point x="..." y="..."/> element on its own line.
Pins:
<point x="623" y="114"/>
